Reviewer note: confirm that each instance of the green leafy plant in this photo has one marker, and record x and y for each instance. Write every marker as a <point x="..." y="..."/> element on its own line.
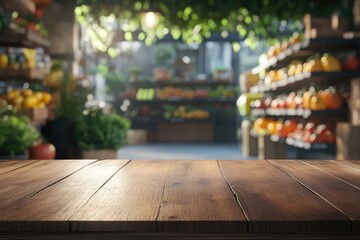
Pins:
<point x="115" y="81"/>
<point x="71" y="101"/>
<point x="195" y="20"/>
<point x="96" y="130"/>
<point x="17" y="134"/>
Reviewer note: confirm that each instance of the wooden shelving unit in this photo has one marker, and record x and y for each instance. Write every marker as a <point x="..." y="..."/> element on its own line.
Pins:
<point x="300" y="112"/>
<point x="301" y="51"/>
<point x="23" y="6"/>
<point x="22" y="74"/>
<point x="304" y="78"/>
<point x="26" y="38"/>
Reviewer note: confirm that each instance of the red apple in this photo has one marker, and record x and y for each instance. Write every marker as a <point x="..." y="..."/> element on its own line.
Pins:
<point x="42" y="151"/>
<point x="351" y="63"/>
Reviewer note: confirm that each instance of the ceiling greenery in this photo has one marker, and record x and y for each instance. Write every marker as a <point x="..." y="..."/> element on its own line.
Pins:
<point x="196" y="20"/>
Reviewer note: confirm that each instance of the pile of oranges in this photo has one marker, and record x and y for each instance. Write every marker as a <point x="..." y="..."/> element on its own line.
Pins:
<point x="27" y="99"/>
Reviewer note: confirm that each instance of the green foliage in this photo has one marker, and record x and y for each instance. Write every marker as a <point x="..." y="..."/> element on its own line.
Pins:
<point x="72" y="101"/>
<point x="194" y="20"/>
<point x="16" y="134"/>
<point x="115" y="81"/>
<point x="164" y="55"/>
<point x="95" y="130"/>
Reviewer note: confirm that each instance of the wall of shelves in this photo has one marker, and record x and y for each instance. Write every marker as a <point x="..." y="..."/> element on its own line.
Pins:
<point x="282" y="87"/>
<point x="156" y="114"/>
<point x="20" y="73"/>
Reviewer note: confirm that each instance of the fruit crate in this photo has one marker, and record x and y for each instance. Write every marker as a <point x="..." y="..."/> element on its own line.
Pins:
<point x="354" y="102"/>
<point x="347" y="141"/>
<point x="268" y="149"/>
<point x="37" y="116"/>
<point x="185" y="132"/>
<point x="315" y="27"/>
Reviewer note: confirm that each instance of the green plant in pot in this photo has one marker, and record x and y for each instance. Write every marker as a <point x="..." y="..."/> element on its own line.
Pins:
<point x="17" y="135"/>
<point x="60" y="130"/>
<point x="100" y="135"/>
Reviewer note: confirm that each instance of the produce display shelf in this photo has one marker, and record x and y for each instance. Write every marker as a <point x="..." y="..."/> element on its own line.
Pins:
<point x="24" y="6"/>
<point x="304" y="78"/>
<point x="296" y="50"/>
<point x="301" y="144"/>
<point x="22" y="74"/>
<point x="177" y="120"/>
<point x="305" y="113"/>
<point x="23" y="39"/>
<point x="195" y="83"/>
<point x="187" y="101"/>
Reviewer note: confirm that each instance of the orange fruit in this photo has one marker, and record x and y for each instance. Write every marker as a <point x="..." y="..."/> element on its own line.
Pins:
<point x="39" y="96"/>
<point x="40" y="105"/>
<point x="27" y="92"/>
<point x="18" y="100"/>
<point x="30" y="102"/>
<point x="47" y="97"/>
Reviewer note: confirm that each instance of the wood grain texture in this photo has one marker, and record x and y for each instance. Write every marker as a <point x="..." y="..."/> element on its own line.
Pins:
<point x="343" y="196"/>
<point x="275" y="202"/>
<point x="17" y="186"/>
<point x="335" y="168"/>
<point x="11" y="165"/>
<point x="351" y="163"/>
<point x="50" y="209"/>
<point x="198" y="199"/>
<point x="130" y="201"/>
<point x="165" y="197"/>
<point x="178" y="236"/>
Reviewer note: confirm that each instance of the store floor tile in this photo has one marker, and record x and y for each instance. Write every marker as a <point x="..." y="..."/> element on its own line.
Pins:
<point x="182" y="152"/>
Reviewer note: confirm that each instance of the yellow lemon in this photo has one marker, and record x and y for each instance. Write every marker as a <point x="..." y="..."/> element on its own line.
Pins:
<point x="27" y="92"/>
<point x="18" y="100"/>
<point x="40" y="105"/>
<point x="47" y="97"/>
<point x="39" y="96"/>
<point x="30" y="102"/>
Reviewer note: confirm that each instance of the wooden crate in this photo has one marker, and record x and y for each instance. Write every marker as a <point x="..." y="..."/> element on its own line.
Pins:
<point x="136" y="136"/>
<point x="37" y="116"/>
<point x="354" y="102"/>
<point x="268" y="149"/>
<point x="249" y="144"/>
<point x="347" y="141"/>
<point x="355" y="89"/>
<point x="185" y="132"/>
<point x="355" y="116"/>
<point x="315" y="27"/>
<point x="99" y="154"/>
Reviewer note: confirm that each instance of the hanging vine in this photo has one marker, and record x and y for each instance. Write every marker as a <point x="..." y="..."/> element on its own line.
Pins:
<point x="193" y="21"/>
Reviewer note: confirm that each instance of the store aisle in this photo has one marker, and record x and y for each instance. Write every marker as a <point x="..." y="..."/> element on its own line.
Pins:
<point x="181" y="151"/>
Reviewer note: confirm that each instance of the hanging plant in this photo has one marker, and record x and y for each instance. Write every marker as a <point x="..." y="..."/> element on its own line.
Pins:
<point x="195" y="20"/>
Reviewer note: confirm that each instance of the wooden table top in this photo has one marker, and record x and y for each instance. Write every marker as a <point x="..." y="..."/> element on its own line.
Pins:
<point x="247" y="196"/>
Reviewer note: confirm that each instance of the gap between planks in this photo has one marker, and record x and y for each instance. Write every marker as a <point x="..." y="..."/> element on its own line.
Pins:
<point x="310" y="189"/>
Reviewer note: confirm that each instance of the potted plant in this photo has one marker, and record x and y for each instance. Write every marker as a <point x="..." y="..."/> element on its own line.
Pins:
<point x="68" y="105"/>
<point x="100" y="135"/>
<point x="164" y="58"/>
<point x="222" y="74"/>
<point x="17" y="135"/>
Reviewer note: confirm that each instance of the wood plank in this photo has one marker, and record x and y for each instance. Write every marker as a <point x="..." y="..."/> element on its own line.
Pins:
<point x="343" y="196"/>
<point x="11" y="165"/>
<point x="17" y="186"/>
<point x="197" y="198"/>
<point x="130" y="201"/>
<point x="351" y="163"/>
<point x="178" y="236"/>
<point x="344" y="172"/>
<point x="275" y="202"/>
<point x="50" y="209"/>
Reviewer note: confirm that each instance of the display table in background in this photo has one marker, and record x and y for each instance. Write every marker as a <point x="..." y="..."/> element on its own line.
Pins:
<point x="143" y="199"/>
